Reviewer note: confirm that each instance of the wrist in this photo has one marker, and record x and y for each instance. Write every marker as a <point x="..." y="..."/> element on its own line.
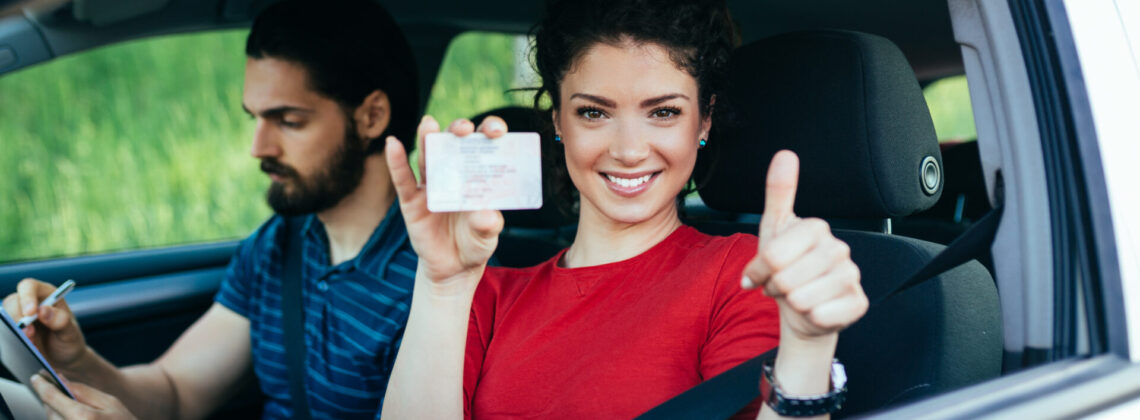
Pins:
<point x="459" y="285"/>
<point x="804" y="365"/>
<point x="76" y="368"/>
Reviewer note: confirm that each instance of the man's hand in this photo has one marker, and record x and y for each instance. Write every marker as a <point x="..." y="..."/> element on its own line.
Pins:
<point x="807" y="270"/>
<point x="91" y="404"/>
<point x="56" y="333"/>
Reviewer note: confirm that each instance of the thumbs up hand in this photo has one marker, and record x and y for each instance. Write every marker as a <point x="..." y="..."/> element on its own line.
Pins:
<point x="799" y="263"/>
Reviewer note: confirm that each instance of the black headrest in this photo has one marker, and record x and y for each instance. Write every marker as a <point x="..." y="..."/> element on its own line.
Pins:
<point x="525" y="119"/>
<point x="848" y="104"/>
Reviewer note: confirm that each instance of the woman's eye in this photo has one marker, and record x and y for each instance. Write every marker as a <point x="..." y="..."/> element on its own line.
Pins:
<point x="666" y="112"/>
<point x="591" y="113"/>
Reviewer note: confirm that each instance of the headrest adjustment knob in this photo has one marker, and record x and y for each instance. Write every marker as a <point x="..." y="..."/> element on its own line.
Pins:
<point x="931" y="175"/>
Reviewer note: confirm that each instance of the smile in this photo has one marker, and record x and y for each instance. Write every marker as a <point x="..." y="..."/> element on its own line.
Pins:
<point x="629" y="185"/>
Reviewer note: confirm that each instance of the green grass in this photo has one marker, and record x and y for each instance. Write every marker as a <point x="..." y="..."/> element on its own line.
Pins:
<point x="131" y="146"/>
<point x="477" y="72"/>
<point x="144" y="144"/>
<point x="949" y="102"/>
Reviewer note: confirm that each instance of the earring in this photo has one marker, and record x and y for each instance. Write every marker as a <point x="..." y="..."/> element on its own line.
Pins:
<point x="557" y="138"/>
<point x="703" y="143"/>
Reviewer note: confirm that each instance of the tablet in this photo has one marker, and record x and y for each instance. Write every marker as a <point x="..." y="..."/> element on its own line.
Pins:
<point x="21" y="357"/>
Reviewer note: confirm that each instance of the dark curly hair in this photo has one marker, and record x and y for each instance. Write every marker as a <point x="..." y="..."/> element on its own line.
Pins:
<point x="350" y="48"/>
<point x="699" y="35"/>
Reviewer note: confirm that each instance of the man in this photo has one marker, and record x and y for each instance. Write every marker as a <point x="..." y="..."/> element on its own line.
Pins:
<point x="326" y="83"/>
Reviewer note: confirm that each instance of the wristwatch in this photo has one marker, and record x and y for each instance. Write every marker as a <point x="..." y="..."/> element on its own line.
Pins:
<point x="797" y="406"/>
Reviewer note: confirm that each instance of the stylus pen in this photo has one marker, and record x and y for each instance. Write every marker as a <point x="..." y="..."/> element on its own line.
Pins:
<point x="54" y="297"/>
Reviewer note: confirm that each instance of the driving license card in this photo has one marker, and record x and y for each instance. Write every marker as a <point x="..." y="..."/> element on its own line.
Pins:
<point x="477" y="173"/>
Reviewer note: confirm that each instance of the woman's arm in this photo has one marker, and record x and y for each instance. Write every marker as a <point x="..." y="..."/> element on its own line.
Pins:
<point x="816" y="285"/>
<point x="453" y="249"/>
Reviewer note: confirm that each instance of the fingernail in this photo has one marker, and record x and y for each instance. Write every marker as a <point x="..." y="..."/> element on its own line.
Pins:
<point x="746" y="283"/>
<point x="36" y="379"/>
<point x="30" y="308"/>
<point x="389" y="140"/>
<point x="496" y="126"/>
<point x="426" y="118"/>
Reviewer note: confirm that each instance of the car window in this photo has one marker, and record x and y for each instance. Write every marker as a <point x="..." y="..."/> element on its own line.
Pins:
<point x="482" y="71"/>
<point x="949" y="102"/>
<point x="135" y="145"/>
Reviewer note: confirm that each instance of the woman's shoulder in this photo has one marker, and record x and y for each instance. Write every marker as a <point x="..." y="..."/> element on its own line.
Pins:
<point x="500" y="279"/>
<point x="737" y="243"/>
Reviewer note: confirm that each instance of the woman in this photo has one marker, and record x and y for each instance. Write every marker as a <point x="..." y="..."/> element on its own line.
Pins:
<point x="640" y="307"/>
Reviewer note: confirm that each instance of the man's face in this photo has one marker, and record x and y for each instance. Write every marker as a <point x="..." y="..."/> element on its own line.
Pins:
<point x="306" y="143"/>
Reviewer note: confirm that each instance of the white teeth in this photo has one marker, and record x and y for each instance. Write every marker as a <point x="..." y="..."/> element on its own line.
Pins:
<point x="628" y="182"/>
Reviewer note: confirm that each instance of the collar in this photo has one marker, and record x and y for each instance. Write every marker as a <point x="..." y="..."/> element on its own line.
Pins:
<point x="374" y="256"/>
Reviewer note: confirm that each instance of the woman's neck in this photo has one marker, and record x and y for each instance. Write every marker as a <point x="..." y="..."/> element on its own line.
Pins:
<point x="601" y="240"/>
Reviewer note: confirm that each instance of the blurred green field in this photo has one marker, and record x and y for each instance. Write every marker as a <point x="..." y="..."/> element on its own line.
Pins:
<point x="144" y="144"/>
<point x="135" y="145"/>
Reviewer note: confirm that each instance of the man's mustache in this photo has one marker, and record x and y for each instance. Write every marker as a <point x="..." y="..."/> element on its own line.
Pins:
<point x="272" y="166"/>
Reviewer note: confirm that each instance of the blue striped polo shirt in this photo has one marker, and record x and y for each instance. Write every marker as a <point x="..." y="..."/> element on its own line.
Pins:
<point x="354" y="315"/>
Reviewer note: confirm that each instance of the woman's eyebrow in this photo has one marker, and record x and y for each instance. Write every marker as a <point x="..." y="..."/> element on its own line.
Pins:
<point x="657" y="100"/>
<point x="596" y="99"/>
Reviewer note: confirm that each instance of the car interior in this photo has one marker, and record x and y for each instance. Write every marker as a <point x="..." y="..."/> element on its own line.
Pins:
<point x="838" y="82"/>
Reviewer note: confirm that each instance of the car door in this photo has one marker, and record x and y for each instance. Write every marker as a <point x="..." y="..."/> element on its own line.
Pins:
<point x="1054" y="86"/>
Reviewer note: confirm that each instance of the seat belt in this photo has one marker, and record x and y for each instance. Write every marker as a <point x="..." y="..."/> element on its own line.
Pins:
<point x="726" y="394"/>
<point x="964" y="248"/>
<point x="293" y="317"/>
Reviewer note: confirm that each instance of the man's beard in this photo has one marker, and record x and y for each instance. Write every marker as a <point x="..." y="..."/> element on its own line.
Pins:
<point x="320" y="191"/>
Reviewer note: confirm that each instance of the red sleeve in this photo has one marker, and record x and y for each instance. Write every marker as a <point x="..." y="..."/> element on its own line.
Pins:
<point x="744" y="323"/>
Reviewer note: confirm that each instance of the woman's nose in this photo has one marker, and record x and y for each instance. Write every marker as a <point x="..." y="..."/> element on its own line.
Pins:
<point x="630" y="147"/>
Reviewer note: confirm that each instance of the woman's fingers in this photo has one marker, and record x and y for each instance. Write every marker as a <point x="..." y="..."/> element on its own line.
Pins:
<point x="839" y="282"/>
<point x="427" y="126"/>
<point x="825" y="253"/>
<point x="486" y="223"/>
<point x="462" y="127"/>
<point x="798" y="237"/>
<point x="812" y="277"/>
<point x="837" y="314"/>
<point x="779" y="194"/>
<point x="756" y="274"/>
<point x="402" y="177"/>
<point x="493" y="127"/>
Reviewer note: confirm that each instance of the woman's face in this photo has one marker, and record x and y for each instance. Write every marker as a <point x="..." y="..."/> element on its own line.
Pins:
<point x="630" y="123"/>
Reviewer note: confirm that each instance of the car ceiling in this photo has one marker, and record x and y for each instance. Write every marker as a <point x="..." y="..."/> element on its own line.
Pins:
<point x="921" y="28"/>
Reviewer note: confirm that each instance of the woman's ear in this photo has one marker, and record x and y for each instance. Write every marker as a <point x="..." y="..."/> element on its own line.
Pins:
<point x="373" y="115"/>
<point x="706" y="121"/>
<point x="554" y="120"/>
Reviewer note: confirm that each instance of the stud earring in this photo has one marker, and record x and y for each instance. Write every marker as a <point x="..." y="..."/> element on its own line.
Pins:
<point x="557" y="138"/>
<point x="703" y="143"/>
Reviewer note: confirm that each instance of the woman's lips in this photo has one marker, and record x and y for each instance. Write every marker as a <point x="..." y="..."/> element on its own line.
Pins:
<point x="629" y="185"/>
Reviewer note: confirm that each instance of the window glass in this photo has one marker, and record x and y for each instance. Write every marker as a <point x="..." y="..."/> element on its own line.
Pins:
<point x="478" y="73"/>
<point x="949" y="102"/>
<point x="136" y="145"/>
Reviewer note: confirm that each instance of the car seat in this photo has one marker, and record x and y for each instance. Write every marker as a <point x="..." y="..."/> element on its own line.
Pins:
<point x="849" y="105"/>
<point x="964" y="200"/>
<point x="530" y="237"/>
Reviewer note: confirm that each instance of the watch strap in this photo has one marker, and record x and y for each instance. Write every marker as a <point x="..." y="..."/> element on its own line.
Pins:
<point x="808" y="406"/>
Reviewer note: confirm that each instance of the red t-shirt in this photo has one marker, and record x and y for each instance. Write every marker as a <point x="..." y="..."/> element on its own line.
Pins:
<point x="613" y="340"/>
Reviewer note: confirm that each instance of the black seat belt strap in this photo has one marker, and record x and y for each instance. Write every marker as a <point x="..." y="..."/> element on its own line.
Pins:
<point x="293" y="317"/>
<point x="726" y="394"/>
<point x="966" y="247"/>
